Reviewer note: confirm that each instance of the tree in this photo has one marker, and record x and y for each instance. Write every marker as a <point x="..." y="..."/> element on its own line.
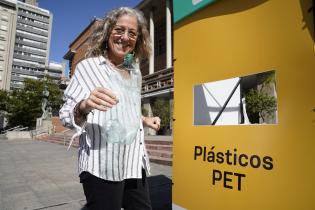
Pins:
<point x="144" y="111"/>
<point x="4" y="97"/>
<point x="25" y="104"/>
<point x="260" y="103"/>
<point x="161" y="108"/>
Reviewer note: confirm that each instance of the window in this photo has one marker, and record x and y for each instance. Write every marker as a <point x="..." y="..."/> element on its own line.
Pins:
<point x="159" y="38"/>
<point x="245" y="100"/>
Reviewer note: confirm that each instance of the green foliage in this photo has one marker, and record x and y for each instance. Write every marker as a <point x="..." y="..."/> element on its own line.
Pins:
<point x="260" y="103"/>
<point x="144" y="112"/>
<point x="270" y="78"/>
<point x="55" y="97"/>
<point x="161" y="108"/>
<point x="4" y="97"/>
<point x="24" y="105"/>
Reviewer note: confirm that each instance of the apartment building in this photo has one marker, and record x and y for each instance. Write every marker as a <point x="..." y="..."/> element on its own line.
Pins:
<point x="55" y="71"/>
<point x="8" y="14"/>
<point x="32" y="43"/>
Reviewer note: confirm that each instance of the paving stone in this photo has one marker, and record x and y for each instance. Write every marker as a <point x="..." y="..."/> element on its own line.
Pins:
<point x="21" y="201"/>
<point x="38" y="175"/>
<point x="52" y="198"/>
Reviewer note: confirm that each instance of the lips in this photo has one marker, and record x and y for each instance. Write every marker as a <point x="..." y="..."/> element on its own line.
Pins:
<point x="122" y="46"/>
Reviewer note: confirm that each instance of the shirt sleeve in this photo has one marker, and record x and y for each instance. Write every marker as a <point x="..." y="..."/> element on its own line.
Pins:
<point x="73" y="94"/>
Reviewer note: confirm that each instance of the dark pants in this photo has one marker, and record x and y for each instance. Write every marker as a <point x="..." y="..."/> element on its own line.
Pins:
<point x="131" y="194"/>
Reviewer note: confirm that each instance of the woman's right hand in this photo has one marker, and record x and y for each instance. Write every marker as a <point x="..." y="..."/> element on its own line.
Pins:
<point x="100" y="98"/>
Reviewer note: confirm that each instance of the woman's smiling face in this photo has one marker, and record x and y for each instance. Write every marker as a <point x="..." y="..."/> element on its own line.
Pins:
<point x="123" y="38"/>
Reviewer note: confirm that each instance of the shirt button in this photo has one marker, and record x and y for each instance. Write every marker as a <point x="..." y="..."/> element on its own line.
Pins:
<point x="140" y="143"/>
<point x="140" y="129"/>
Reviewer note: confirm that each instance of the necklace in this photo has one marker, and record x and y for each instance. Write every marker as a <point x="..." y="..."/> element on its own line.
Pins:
<point x="123" y="71"/>
<point x="126" y="66"/>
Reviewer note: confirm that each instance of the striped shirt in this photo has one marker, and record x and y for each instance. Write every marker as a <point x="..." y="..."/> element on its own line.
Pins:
<point x="98" y="154"/>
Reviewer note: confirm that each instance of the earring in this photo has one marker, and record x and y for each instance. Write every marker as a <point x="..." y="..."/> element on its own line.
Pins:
<point x="128" y="60"/>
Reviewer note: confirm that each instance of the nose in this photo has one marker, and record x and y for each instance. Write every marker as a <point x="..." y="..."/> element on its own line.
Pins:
<point x="125" y="36"/>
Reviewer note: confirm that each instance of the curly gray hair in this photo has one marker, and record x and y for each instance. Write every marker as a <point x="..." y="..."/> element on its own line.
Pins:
<point x="97" y="44"/>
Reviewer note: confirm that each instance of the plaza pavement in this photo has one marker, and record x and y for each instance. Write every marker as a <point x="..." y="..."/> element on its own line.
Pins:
<point x="37" y="175"/>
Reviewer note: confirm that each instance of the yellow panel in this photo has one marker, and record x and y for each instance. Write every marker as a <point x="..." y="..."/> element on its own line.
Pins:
<point x="238" y="38"/>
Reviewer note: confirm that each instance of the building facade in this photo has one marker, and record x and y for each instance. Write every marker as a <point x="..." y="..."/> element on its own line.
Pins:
<point x="8" y="14"/>
<point x="78" y="48"/>
<point x="55" y="71"/>
<point x="32" y="43"/>
<point x="158" y="70"/>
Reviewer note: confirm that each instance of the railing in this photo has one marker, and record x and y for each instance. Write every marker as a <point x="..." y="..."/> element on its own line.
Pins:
<point x="29" y="58"/>
<point x="21" y="129"/>
<point x="27" y="72"/>
<point x="32" y="30"/>
<point x="32" y="37"/>
<point x="38" y="25"/>
<point x="32" y="44"/>
<point x="159" y="80"/>
<point x="35" y="52"/>
<point x="11" y="129"/>
<point x="43" y="19"/>
<point x="16" y="128"/>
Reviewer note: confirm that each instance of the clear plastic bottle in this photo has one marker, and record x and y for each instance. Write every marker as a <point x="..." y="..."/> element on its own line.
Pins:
<point x="122" y="121"/>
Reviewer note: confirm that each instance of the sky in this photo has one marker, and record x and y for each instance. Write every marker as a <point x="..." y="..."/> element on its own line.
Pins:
<point x="71" y="17"/>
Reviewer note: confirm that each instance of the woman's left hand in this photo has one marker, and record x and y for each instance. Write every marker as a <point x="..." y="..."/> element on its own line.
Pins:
<point x="152" y="122"/>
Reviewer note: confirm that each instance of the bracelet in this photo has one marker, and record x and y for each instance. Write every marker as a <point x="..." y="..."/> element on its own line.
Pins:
<point x="78" y="112"/>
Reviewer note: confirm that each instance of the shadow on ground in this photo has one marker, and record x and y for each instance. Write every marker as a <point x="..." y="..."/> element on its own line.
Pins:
<point x="160" y="188"/>
<point x="160" y="192"/>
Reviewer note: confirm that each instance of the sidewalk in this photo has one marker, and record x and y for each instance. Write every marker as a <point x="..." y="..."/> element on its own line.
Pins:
<point x="39" y="175"/>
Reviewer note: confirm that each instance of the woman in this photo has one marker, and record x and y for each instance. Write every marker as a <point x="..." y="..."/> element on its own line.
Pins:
<point x="103" y="103"/>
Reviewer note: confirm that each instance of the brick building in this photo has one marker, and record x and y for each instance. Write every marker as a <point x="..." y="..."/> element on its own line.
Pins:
<point x="78" y="48"/>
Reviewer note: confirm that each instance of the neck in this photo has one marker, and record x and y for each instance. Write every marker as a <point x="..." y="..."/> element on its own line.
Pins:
<point x="114" y="60"/>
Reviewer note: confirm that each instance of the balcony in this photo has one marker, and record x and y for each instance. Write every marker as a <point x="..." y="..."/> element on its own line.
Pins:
<point x="34" y="52"/>
<point x="158" y="81"/>
<point x="54" y="75"/>
<point x="31" y="44"/>
<point x="38" y="74"/>
<point x="32" y="30"/>
<point x="16" y="78"/>
<point x="30" y="65"/>
<point x="44" y="40"/>
<point x="38" y="25"/>
<point x="45" y="19"/>
<point x="29" y="58"/>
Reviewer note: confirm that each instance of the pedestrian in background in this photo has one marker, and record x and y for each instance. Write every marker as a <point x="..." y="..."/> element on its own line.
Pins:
<point x="103" y="102"/>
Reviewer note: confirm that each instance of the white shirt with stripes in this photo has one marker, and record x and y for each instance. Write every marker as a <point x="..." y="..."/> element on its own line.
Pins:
<point x="97" y="155"/>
